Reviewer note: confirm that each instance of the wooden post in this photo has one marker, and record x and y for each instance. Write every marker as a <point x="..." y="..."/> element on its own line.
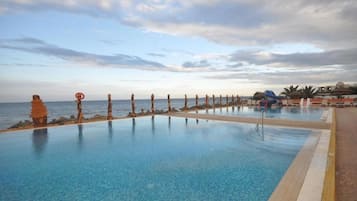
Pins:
<point x="207" y="101"/>
<point x="79" y="111"/>
<point x="168" y="103"/>
<point x="238" y="100"/>
<point x="196" y="101"/>
<point x="152" y="104"/>
<point x="38" y="112"/>
<point x="185" y="107"/>
<point x="227" y="100"/>
<point x="220" y="102"/>
<point x="110" y="115"/>
<point x="133" y="114"/>
<point x="232" y="102"/>
<point x="214" y="101"/>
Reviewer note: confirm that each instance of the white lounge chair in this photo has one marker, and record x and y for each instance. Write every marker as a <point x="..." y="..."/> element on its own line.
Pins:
<point x="347" y="104"/>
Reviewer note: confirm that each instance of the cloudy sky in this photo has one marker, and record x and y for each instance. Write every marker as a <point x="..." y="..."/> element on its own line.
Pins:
<point x="56" y="48"/>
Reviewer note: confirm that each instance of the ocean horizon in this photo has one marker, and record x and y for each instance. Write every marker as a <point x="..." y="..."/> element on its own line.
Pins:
<point x="12" y="113"/>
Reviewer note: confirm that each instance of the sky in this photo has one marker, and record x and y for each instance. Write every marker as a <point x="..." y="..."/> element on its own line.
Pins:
<point x="56" y="48"/>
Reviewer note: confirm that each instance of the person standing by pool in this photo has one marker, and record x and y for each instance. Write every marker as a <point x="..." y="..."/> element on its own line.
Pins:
<point x="38" y="112"/>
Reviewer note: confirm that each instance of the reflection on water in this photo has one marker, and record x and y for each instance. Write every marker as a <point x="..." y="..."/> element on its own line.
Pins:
<point x="153" y="125"/>
<point x="186" y="120"/>
<point x="273" y="110"/>
<point x="39" y="140"/>
<point x="110" y="130"/>
<point x="133" y="125"/>
<point x="80" y="135"/>
<point x="169" y="123"/>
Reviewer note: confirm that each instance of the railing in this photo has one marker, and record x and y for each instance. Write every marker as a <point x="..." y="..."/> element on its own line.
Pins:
<point x="261" y="123"/>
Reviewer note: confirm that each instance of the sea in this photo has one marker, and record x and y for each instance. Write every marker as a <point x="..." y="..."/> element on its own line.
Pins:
<point x="12" y="113"/>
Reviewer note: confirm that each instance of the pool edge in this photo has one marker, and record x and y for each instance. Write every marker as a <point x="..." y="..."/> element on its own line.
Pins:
<point x="293" y="179"/>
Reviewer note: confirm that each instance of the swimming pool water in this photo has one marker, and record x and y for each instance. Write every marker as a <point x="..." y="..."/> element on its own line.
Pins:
<point x="292" y="113"/>
<point x="146" y="159"/>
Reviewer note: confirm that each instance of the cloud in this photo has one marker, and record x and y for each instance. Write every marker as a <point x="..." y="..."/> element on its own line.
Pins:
<point x="202" y="63"/>
<point x="32" y="45"/>
<point x="316" y="77"/>
<point x="100" y="8"/>
<point x="341" y="57"/>
<point x="328" y="24"/>
<point x="255" y="22"/>
<point x="227" y="13"/>
<point x="156" y="54"/>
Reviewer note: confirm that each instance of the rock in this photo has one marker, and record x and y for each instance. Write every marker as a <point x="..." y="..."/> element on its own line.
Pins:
<point x="60" y="121"/>
<point x="21" y="124"/>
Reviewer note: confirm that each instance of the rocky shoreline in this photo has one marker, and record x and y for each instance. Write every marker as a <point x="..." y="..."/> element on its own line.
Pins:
<point x="27" y="124"/>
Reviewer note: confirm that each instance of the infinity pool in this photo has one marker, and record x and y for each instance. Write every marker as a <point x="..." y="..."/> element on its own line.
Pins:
<point x="146" y="159"/>
<point x="292" y="113"/>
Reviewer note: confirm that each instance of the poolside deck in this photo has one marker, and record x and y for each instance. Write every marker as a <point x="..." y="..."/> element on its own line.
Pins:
<point x="346" y="154"/>
<point x="267" y="121"/>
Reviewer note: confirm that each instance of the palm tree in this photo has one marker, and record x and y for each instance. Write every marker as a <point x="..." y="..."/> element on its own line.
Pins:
<point x="308" y="92"/>
<point x="291" y="92"/>
<point x="296" y="94"/>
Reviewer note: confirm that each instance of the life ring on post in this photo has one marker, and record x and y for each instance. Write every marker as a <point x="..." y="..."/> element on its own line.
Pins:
<point x="80" y="96"/>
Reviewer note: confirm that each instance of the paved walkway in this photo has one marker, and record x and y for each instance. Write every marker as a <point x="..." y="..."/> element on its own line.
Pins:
<point x="346" y="154"/>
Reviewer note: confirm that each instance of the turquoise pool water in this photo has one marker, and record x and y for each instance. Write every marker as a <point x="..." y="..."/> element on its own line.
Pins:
<point x="292" y="113"/>
<point x="144" y="159"/>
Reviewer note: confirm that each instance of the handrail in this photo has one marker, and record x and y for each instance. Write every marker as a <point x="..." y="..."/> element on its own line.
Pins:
<point x="329" y="188"/>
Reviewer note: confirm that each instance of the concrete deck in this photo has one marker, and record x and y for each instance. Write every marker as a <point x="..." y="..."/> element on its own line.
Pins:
<point x="267" y="121"/>
<point x="346" y="154"/>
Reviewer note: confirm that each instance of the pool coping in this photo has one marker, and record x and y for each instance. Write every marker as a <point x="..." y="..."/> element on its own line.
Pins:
<point x="313" y="185"/>
<point x="268" y="121"/>
<point x="293" y="179"/>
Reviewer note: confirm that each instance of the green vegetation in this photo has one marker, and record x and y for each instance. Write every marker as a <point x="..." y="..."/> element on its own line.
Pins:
<point x="294" y="92"/>
<point x="308" y="92"/>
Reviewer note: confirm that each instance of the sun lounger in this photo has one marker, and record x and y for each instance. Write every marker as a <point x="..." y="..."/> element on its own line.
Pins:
<point x="338" y="104"/>
<point x="324" y="103"/>
<point x="316" y="101"/>
<point x="285" y="102"/>
<point x="249" y="103"/>
<point x="347" y="104"/>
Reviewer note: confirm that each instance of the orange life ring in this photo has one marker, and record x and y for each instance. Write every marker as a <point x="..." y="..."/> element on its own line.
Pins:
<point x="79" y="95"/>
